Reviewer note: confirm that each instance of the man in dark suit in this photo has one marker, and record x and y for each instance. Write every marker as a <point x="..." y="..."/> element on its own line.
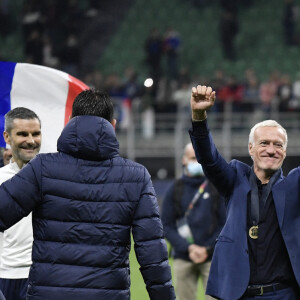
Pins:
<point x="257" y="252"/>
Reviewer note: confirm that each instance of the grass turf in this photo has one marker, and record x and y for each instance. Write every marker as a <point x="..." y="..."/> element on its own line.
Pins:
<point x="138" y="288"/>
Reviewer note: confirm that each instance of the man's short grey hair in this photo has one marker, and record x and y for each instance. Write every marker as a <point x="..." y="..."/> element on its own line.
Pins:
<point x="267" y="123"/>
<point x="18" y="113"/>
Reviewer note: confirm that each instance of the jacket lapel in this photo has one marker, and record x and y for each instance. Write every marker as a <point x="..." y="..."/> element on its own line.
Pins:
<point x="278" y="192"/>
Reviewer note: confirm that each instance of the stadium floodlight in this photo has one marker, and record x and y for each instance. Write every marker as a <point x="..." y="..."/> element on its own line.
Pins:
<point x="148" y="82"/>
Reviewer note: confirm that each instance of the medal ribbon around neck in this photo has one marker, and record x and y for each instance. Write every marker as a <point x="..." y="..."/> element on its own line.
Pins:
<point x="253" y="231"/>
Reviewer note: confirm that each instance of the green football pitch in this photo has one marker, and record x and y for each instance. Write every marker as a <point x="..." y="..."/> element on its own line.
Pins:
<point x="138" y="289"/>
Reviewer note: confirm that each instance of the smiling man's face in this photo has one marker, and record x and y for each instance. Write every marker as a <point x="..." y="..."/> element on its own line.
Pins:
<point x="268" y="150"/>
<point x="24" y="140"/>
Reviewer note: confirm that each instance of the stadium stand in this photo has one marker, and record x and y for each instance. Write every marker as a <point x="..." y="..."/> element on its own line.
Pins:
<point x="112" y="37"/>
<point x="259" y="43"/>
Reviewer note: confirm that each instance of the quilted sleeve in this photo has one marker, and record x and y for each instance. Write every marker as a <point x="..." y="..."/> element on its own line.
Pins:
<point x="19" y="195"/>
<point x="150" y="246"/>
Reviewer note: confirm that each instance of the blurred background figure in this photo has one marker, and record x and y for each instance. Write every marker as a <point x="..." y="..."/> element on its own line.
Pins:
<point x="171" y="50"/>
<point x="284" y="93"/>
<point x="290" y="16"/>
<point x="193" y="214"/>
<point x="154" y="52"/>
<point x="229" y="27"/>
<point x="5" y="156"/>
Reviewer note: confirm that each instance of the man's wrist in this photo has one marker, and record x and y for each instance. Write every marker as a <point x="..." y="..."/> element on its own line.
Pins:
<point x="198" y="116"/>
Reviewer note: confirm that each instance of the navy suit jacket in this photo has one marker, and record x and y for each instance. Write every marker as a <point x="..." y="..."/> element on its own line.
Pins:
<point x="230" y="269"/>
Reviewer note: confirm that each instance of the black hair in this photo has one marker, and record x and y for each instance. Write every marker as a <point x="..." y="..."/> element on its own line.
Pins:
<point x="93" y="103"/>
<point x="18" y="113"/>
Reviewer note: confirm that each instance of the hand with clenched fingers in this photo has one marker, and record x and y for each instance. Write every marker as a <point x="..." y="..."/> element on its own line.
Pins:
<point x="202" y="99"/>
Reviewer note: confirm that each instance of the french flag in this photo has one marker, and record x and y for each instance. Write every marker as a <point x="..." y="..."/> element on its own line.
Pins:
<point x="48" y="92"/>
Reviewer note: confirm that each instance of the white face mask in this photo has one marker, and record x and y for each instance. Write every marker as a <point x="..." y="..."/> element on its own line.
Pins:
<point x="194" y="169"/>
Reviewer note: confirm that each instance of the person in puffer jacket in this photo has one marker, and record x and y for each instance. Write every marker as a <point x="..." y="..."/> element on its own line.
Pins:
<point x="86" y="200"/>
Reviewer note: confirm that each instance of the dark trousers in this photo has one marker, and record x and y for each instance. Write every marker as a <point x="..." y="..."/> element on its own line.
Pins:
<point x="14" y="289"/>
<point x="284" y="294"/>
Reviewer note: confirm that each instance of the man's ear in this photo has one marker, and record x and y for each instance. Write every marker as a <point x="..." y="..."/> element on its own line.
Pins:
<point x="113" y="123"/>
<point x="6" y="137"/>
<point x="250" y="149"/>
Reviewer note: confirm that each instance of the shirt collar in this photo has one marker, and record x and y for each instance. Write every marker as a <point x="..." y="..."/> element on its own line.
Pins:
<point x="14" y="166"/>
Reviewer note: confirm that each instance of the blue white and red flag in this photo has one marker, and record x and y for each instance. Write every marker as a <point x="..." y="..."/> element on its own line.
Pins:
<point x="48" y="92"/>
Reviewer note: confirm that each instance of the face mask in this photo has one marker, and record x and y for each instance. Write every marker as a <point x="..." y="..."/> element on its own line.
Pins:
<point x="194" y="169"/>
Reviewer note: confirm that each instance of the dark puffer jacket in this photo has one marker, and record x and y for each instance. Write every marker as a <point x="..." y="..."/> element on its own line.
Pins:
<point x="86" y="199"/>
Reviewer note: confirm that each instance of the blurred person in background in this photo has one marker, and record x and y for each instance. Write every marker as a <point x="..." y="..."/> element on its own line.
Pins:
<point x="290" y="18"/>
<point x="171" y="46"/>
<point x="250" y="96"/>
<point x="179" y="97"/>
<point x="268" y="91"/>
<point x="154" y="52"/>
<point x="228" y="27"/>
<point x="232" y="92"/>
<point x="193" y="215"/>
<point x="6" y="155"/>
<point x="296" y="92"/>
<point x="285" y="93"/>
